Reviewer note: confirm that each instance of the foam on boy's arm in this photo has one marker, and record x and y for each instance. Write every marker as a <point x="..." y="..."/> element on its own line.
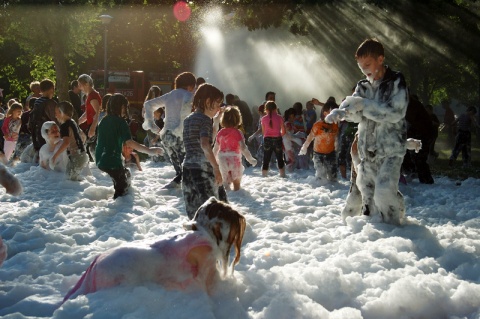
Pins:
<point x="392" y="110"/>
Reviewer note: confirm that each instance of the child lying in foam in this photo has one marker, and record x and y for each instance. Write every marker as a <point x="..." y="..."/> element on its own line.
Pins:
<point x="186" y="261"/>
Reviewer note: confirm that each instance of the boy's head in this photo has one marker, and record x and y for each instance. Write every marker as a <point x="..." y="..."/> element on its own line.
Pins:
<point x="207" y="99"/>
<point x="185" y="80"/>
<point x="231" y="117"/>
<point x="117" y="104"/>
<point x="35" y="87"/>
<point x="270" y="96"/>
<point x="370" y="56"/>
<point x="289" y="115"/>
<point x="47" y="87"/>
<point x="66" y="110"/>
<point x="74" y="87"/>
<point x="309" y="105"/>
<point x="229" y="98"/>
<point x="327" y="108"/>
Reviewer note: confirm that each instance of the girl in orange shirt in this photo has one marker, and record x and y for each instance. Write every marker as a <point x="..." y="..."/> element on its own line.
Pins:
<point x="324" y="155"/>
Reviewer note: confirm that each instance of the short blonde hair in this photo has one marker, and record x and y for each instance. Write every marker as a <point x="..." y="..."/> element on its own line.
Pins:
<point x="85" y="79"/>
<point x="231" y="117"/>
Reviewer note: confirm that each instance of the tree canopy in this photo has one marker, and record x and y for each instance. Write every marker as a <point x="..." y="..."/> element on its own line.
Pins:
<point x="435" y="42"/>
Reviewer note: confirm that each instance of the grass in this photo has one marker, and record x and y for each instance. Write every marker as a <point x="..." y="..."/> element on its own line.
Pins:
<point x="444" y="148"/>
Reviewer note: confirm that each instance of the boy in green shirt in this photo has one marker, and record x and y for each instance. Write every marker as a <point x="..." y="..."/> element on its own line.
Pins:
<point x="112" y="133"/>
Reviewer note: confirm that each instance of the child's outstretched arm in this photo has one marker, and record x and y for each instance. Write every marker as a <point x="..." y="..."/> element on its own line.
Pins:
<point x="61" y="149"/>
<point x="247" y="154"/>
<point x="305" y="145"/>
<point x="142" y="148"/>
<point x="257" y="132"/>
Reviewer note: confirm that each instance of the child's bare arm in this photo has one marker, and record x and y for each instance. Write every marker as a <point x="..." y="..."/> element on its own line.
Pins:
<point x="142" y="148"/>
<point x="207" y="150"/>
<point x="247" y="154"/>
<point x="61" y="149"/>
<point x="305" y="145"/>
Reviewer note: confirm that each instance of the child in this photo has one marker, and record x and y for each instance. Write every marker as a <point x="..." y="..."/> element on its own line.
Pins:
<point x="51" y="134"/>
<point x="184" y="262"/>
<point x="229" y="147"/>
<point x="43" y="110"/>
<point x="289" y="138"/>
<point x="310" y="116"/>
<point x="324" y="155"/>
<point x="463" y="140"/>
<point x="379" y="105"/>
<point x="177" y="105"/>
<point x="201" y="173"/>
<point x="273" y="129"/>
<point x="256" y="138"/>
<point x="112" y="134"/>
<point x="72" y="142"/>
<point x="131" y="157"/>
<point x="11" y="129"/>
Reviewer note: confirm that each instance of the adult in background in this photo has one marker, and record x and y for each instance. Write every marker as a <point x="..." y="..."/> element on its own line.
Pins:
<point x="74" y="95"/>
<point x="43" y="110"/>
<point x="435" y="125"/>
<point x="92" y="111"/>
<point x="449" y="122"/>
<point x="247" y="118"/>
<point x="178" y="105"/>
<point x="419" y="126"/>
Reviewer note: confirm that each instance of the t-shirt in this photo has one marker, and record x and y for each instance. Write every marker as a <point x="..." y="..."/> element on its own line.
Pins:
<point x="273" y="131"/>
<point x="70" y="128"/>
<point x="112" y="133"/>
<point x="228" y="140"/>
<point x="325" y="136"/>
<point x="196" y="126"/>
<point x="94" y="95"/>
<point x="177" y="104"/>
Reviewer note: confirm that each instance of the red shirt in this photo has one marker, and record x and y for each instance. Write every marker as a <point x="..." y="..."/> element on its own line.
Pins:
<point x="94" y="95"/>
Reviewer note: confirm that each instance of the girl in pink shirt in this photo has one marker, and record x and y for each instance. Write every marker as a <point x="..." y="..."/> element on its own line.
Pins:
<point x="273" y="129"/>
<point x="229" y="147"/>
<point x="183" y="262"/>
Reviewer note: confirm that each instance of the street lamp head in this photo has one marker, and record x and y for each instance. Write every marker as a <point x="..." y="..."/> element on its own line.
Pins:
<point x="105" y="18"/>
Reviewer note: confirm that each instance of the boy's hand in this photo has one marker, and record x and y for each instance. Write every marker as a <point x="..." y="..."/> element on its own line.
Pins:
<point x="253" y="161"/>
<point x="413" y="144"/>
<point x="155" y="151"/>
<point x="303" y="150"/>
<point x="335" y="116"/>
<point x="352" y="104"/>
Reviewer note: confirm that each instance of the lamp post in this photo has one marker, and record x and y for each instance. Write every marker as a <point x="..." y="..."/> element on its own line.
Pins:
<point x="105" y="18"/>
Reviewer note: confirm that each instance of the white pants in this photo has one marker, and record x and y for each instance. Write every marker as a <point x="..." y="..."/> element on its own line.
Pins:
<point x="9" y="148"/>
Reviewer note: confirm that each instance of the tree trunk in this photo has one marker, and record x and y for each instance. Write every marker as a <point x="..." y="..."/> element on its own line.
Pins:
<point x="60" y="63"/>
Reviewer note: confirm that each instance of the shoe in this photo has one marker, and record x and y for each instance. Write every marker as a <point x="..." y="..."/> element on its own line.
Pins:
<point x="172" y="185"/>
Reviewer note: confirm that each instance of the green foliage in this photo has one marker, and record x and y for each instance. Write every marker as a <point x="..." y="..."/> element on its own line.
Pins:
<point x="42" y="68"/>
